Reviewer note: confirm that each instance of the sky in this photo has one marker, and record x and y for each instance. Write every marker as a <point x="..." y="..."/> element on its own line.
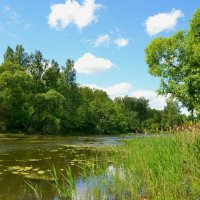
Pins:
<point x="106" y="39"/>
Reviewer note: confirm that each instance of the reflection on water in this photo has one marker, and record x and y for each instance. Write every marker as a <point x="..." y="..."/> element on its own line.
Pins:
<point x="22" y="157"/>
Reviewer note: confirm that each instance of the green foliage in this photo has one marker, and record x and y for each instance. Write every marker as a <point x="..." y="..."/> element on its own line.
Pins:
<point x="37" y="65"/>
<point x="39" y="96"/>
<point x="175" y="60"/>
<point x="157" y="167"/>
<point x="15" y="96"/>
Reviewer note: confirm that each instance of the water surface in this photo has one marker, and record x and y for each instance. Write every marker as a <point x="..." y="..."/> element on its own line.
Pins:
<point x="21" y="155"/>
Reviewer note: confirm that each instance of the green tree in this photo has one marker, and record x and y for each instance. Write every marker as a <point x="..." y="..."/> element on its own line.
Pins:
<point x="52" y="76"/>
<point x="20" y="56"/>
<point x="9" y="55"/>
<point x="15" y="96"/>
<point x="175" y="60"/>
<point x="48" y="108"/>
<point x="136" y="111"/>
<point x="171" y="115"/>
<point x="37" y="65"/>
<point x="69" y="73"/>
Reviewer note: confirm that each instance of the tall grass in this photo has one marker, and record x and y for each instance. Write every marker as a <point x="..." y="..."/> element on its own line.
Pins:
<point x="162" y="167"/>
<point x="64" y="184"/>
<point x="158" y="168"/>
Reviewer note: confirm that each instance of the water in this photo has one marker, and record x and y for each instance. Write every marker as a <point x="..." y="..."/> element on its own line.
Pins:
<point x="21" y="156"/>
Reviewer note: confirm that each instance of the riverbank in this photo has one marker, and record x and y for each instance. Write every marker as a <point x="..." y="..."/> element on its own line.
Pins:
<point x="162" y="167"/>
<point x="151" y="167"/>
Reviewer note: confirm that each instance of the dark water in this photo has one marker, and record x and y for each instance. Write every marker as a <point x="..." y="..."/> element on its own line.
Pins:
<point x="21" y="156"/>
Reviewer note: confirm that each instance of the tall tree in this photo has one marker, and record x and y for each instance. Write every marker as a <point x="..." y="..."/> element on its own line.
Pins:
<point x="9" y="55"/>
<point x="15" y="96"/>
<point x="37" y="65"/>
<point x="20" y="56"/>
<point x="175" y="60"/>
<point x="70" y="73"/>
<point x="52" y="75"/>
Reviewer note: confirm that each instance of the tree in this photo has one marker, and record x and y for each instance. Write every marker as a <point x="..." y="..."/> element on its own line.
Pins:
<point x="171" y="115"/>
<point x="37" y="65"/>
<point x="20" y="56"/>
<point x="9" y="55"/>
<point x="15" y="96"/>
<point x="52" y="75"/>
<point x="48" y="108"/>
<point x="136" y="111"/>
<point x="70" y="73"/>
<point x="176" y="61"/>
<point x="36" y="96"/>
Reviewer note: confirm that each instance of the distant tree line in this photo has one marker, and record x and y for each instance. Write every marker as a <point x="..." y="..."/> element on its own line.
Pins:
<point x="37" y="95"/>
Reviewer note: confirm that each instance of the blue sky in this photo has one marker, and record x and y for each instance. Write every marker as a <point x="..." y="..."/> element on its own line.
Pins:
<point x="106" y="39"/>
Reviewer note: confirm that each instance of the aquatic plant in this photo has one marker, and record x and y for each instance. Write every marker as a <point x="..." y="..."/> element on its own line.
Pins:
<point x="157" y="167"/>
<point x="35" y="189"/>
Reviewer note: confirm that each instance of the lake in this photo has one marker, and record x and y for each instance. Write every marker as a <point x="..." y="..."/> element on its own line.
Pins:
<point x="25" y="158"/>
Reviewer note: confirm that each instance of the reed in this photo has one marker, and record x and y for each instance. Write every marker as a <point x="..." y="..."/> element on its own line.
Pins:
<point x="164" y="167"/>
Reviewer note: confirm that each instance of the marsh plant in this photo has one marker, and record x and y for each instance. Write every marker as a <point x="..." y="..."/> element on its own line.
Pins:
<point x="35" y="189"/>
<point x="157" y="167"/>
<point x="65" y="185"/>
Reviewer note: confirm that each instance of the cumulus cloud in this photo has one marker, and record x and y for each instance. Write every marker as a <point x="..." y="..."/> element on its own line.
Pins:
<point x="90" y="64"/>
<point x="162" y="22"/>
<point x="102" y="40"/>
<point x="117" y="90"/>
<point x="121" y="42"/>
<point x="155" y="101"/>
<point x="71" y="12"/>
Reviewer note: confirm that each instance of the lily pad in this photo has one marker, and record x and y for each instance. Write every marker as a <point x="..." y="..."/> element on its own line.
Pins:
<point x="36" y="169"/>
<point x="41" y="172"/>
<point x="28" y="168"/>
<point x="39" y="177"/>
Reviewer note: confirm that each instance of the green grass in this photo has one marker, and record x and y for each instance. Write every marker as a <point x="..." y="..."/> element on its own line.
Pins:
<point x="160" y="167"/>
<point x="163" y="167"/>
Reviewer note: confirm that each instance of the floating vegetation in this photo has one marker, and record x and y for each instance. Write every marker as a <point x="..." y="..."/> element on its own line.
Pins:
<point x="41" y="172"/>
<point x="5" y="154"/>
<point x="36" y="169"/>
<point x="47" y="158"/>
<point x="28" y="160"/>
<point x="15" y="168"/>
<point x="30" y="173"/>
<point x="54" y="151"/>
<point x="39" y="177"/>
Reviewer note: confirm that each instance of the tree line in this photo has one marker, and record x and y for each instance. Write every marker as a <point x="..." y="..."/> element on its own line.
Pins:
<point x="38" y="95"/>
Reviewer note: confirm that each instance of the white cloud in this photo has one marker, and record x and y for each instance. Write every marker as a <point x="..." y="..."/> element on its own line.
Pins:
<point x="89" y="64"/>
<point x="13" y="15"/>
<point x="155" y="101"/>
<point x="71" y="12"/>
<point x="103" y="39"/>
<point x="162" y="22"/>
<point x="121" y="42"/>
<point x="117" y="90"/>
<point x="15" y="18"/>
<point x="3" y="30"/>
